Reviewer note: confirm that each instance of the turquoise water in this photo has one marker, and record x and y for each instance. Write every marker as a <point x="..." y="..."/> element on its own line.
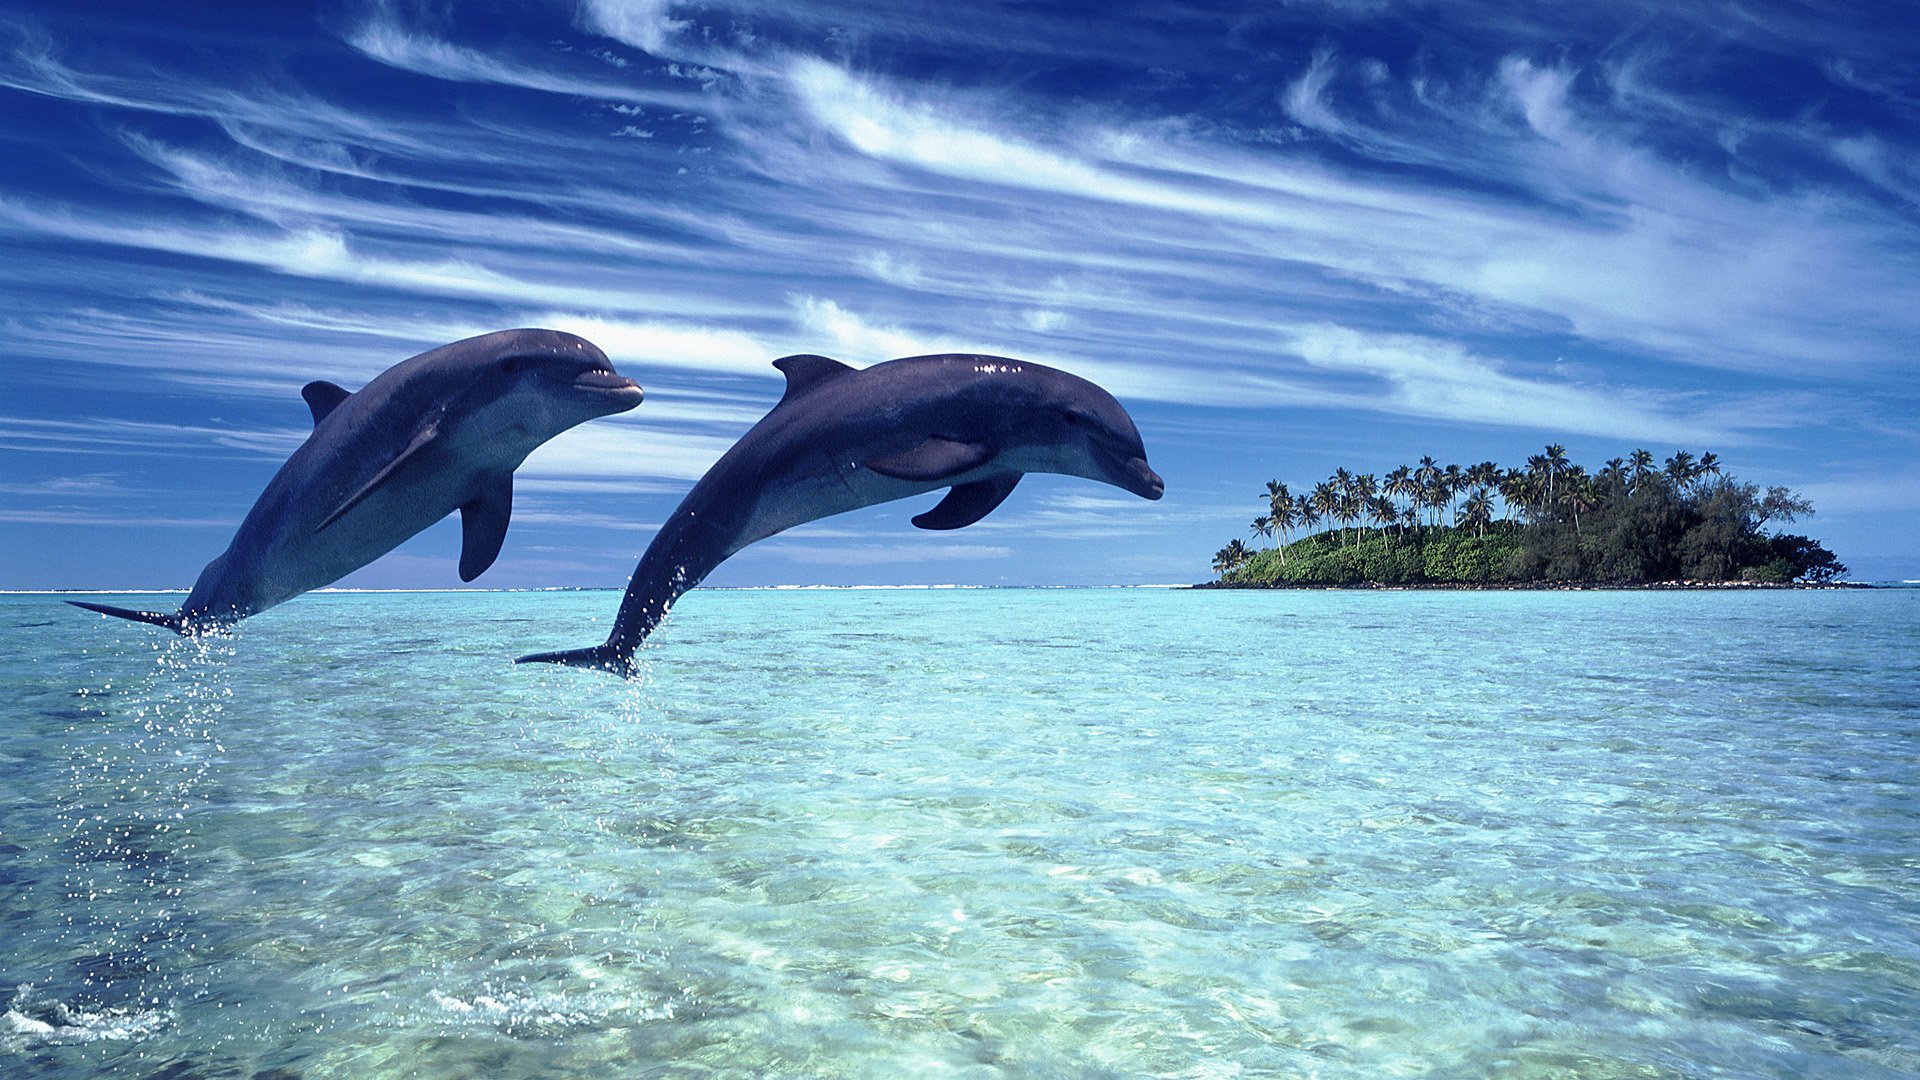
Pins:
<point x="1104" y="833"/>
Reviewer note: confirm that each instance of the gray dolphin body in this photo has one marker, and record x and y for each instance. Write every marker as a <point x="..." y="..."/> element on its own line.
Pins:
<point x="438" y="432"/>
<point x="843" y="438"/>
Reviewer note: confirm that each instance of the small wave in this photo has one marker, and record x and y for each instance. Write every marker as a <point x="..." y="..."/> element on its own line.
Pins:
<point x="513" y="1012"/>
<point x="29" y="1023"/>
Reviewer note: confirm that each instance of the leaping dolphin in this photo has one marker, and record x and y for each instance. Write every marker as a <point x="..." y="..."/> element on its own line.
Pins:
<point x="438" y="432"/>
<point x="842" y="438"/>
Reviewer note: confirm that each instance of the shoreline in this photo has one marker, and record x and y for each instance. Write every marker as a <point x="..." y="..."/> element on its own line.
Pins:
<point x="1543" y="586"/>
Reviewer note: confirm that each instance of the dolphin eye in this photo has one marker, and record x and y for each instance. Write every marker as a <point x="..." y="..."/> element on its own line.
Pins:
<point x="1079" y="419"/>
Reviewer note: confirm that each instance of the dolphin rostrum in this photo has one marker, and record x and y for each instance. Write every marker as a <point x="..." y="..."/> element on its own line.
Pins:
<point x="439" y="432"/>
<point x="843" y="438"/>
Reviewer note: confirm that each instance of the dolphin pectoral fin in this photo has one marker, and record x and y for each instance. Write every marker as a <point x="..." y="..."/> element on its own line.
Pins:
<point x="421" y="440"/>
<point x="806" y="371"/>
<point x="968" y="503"/>
<point x="935" y="459"/>
<point x="323" y="397"/>
<point x="483" y="526"/>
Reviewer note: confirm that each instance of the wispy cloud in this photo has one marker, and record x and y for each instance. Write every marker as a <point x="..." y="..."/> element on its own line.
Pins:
<point x="1437" y="378"/>
<point x="1643" y="241"/>
<point x="572" y="518"/>
<point x="115" y="436"/>
<point x="645" y="24"/>
<point x="1303" y="99"/>
<point x="111" y="520"/>
<point x="1318" y="229"/>
<point x="857" y="337"/>
<point x="384" y="39"/>
<point x="677" y="345"/>
<point x="66" y="486"/>
<point x="326" y="252"/>
<point x="606" y="450"/>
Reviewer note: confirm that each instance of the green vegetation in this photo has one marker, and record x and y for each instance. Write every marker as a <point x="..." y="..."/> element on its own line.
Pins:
<point x="1433" y="524"/>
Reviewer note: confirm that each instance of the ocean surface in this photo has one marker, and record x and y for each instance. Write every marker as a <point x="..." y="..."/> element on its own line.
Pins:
<point x="969" y="833"/>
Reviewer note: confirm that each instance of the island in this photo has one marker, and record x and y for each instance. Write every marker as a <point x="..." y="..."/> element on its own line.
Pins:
<point x="1685" y="523"/>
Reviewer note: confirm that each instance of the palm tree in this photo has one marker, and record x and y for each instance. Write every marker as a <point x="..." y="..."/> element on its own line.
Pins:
<point x="1556" y="459"/>
<point x="1262" y="526"/>
<point x="1640" y="462"/>
<point x="1307" y="511"/>
<point x="1326" y="501"/>
<point x="1401" y="485"/>
<point x="1579" y="493"/>
<point x="1456" y="482"/>
<point x="1477" y="511"/>
<point x="1438" y="494"/>
<point x="1381" y="512"/>
<point x="1517" y="491"/>
<point x="1424" y="478"/>
<point x="1365" y="488"/>
<point x="1230" y="558"/>
<point x="1680" y="469"/>
<point x="1537" y="484"/>
<point x="1347" y="506"/>
<point x="1283" y="512"/>
<point x="1280" y="510"/>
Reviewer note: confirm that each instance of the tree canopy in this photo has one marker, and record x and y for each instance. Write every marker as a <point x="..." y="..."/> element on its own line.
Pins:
<point x="1552" y="521"/>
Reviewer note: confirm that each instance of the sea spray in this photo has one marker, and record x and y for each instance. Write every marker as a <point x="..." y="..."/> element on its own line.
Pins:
<point x="139" y="755"/>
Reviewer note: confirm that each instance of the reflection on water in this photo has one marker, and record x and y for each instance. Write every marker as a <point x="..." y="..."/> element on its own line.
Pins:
<point x="1103" y="833"/>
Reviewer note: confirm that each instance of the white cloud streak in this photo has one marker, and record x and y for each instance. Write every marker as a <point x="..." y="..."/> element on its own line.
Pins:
<point x="1417" y="243"/>
<point x="383" y="39"/>
<point x="1427" y="377"/>
<point x="1631" y="266"/>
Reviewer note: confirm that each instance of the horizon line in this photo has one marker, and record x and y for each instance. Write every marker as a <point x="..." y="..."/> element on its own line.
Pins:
<point x="598" y="588"/>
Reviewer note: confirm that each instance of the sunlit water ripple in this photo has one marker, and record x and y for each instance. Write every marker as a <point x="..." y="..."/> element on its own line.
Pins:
<point x="983" y="833"/>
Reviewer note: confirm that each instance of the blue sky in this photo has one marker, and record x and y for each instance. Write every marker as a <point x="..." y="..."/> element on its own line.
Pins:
<point x="1289" y="237"/>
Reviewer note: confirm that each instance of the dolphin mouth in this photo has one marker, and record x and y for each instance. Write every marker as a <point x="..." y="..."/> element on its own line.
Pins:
<point x="601" y="382"/>
<point x="1150" y="486"/>
<point x="1131" y="472"/>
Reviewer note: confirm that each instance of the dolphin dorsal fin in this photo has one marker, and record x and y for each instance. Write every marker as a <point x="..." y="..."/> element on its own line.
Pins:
<point x="323" y="397"/>
<point x="806" y="371"/>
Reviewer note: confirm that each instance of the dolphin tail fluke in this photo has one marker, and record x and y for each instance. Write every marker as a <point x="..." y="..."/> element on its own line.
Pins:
<point x="600" y="658"/>
<point x="171" y="621"/>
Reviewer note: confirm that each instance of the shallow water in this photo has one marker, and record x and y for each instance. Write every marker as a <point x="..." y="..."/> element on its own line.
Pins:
<point x="969" y="833"/>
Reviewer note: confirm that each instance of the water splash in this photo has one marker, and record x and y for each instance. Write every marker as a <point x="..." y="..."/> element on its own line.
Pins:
<point x="138" y="765"/>
<point x="31" y="1022"/>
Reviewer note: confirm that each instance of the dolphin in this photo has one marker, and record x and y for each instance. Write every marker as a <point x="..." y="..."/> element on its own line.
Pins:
<point x="438" y="432"/>
<point x="842" y="438"/>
